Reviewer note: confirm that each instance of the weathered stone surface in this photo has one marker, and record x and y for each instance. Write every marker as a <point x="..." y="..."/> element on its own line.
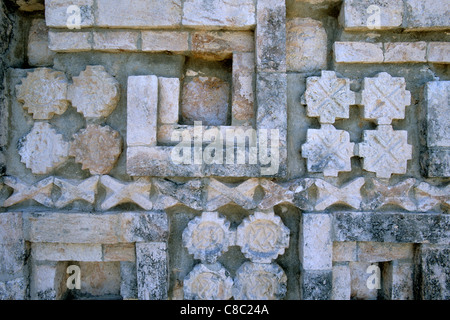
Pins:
<point x="391" y="227"/>
<point x="105" y="228"/>
<point x="11" y="228"/>
<point x="39" y="191"/>
<point x="274" y="194"/>
<point x="220" y="194"/>
<point x="259" y="281"/>
<point x="433" y="272"/>
<point x="30" y="5"/>
<point x="380" y="251"/>
<point x="142" y="110"/>
<point x="208" y="237"/>
<point x="439" y="162"/>
<point x="95" y="93"/>
<point x="43" y="149"/>
<point x="384" y="98"/>
<point x="128" y="286"/>
<point x="115" y="41"/>
<point x="152" y="273"/>
<point x="119" y="192"/>
<point x="328" y="97"/>
<point x="170" y="193"/>
<point x="69" y="41"/>
<point x="38" y="51"/>
<point x="316" y="284"/>
<point x="219" y="14"/>
<point x="100" y="279"/>
<point x="437" y="94"/>
<point x="119" y="252"/>
<point x="205" y="99"/>
<point x="208" y="282"/>
<point x="315" y="243"/>
<point x="76" y="190"/>
<point x="358" y="52"/>
<point x="328" y="150"/>
<point x="13" y="257"/>
<point x="438" y="52"/>
<point x="97" y="148"/>
<point x="243" y="98"/>
<point x="373" y="15"/>
<point x="306" y="45"/>
<point x="163" y="41"/>
<point x="426" y="15"/>
<point x="398" y="195"/>
<point x="139" y="14"/>
<point x="15" y="289"/>
<point x="385" y="151"/>
<point x="48" y="280"/>
<point x="397" y="281"/>
<point x="400" y="52"/>
<point x="66" y="252"/>
<point x="262" y="237"/>
<point x="220" y="45"/>
<point x="341" y="282"/>
<point x="59" y="14"/>
<point x="43" y="93"/>
<point x="348" y="194"/>
<point x="169" y="98"/>
<point x="359" y="278"/>
<point x="271" y="36"/>
<point x="429" y="196"/>
<point x="345" y="251"/>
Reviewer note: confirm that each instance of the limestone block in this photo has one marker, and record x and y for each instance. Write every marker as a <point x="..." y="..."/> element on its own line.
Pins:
<point x="385" y="98"/>
<point x="259" y="281"/>
<point x="399" y="195"/>
<point x="100" y="279"/>
<point x="219" y="14"/>
<point x="306" y="45"/>
<point x="66" y="252"/>
<point x="30" y="5"/>
<point x="169" y="98"/>
<point x="328" y="97"/>
<point x="170" y="193"/>
<point x="128" y="275"/>
<point x="119" y="252"/>
<point x="429" y="196"/>
<point x="43" y="149"/>
<point x="121" y="192"/>
<point x="341" y="282"/>
<point x="345" y="251"/>
<point x="72" y="190"/>
<point x="208" y="282"/>
<point x="391" y="227"/>
<point x="95" y="93"/>
<point x="141" y="14"/>
<point x="97" y="148"/>
<point x="47" y="280"/>
<point x="208" y="237"/>
<point x="142" y="110"/>
<point x="43" y="93"/>
<point x="205" y="99"/>
<point x="243" y="98"/>
<point x="15" y="289"/>
<point x="69" y="41"/>
<point x="163" y="41"/>
<point x="271" y="36"/>
<point x="13" y="257"/>
<point x="219" y="194"/>
<point x="358" y="52"/>
<point x="38" y="50"/>
<point x="369" y="14"/>
<point x="39" y="191"/>
<point x="400" y="52"/>
<point x="11" y="227"/>
<point x="438" y="52"/>
<point x="398" y="283"/>
<point x="262" y="237"/>
<point x="152" y="273"/>
<point x="315" y="243"/>
<point x="439" y="162"/>
<point x="60" y="14"/>
<point x="380" y="251"/>
<point x="359" y="278"/>
<point x="220" y="45"/>
<point x="389" y="145"/>
<point x="437" y="94"/>
<point x="115" y="41"/>
<point x="316" y="284"/>
<point x="348" y="194"/>
<point x="426" y="15"/>
<point x="328" y="150"/>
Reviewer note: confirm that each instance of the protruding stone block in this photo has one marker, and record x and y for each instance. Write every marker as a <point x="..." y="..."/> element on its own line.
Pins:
<point x="315" y="244"/>
<point x="426" y="15"/>
<point x="243" y="98"/>
<point x="163" y="41"/>
<point x="169" y="98"/>
<point x="439" y="52"/>
<point x="66" y="252"/>
<point x="61" y="41"/>
<point x="65" y="13"/>
<point x="115" y="41"/>
<point x="316" y="284"/>
<point x="152" y="273"/>
<point x="405" y="52"/>
<point x="39" y="53"/>
<point x="341" y="286"/>
<point x="358" y="52"/>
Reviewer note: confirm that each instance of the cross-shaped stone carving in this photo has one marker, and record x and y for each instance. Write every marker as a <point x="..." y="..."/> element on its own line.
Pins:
<point x="429" y="196"/>
<point x="40" y="191"/>
<point x="219" y="194"/>
<point x="349" y="194"/>
<point x="170" y="193"/>
<point x="397" y="195"/>
<point x="76" y="190"/>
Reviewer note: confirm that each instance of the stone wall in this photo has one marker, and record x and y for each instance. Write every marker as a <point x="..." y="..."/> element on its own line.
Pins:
<point x="257" y="149"/>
